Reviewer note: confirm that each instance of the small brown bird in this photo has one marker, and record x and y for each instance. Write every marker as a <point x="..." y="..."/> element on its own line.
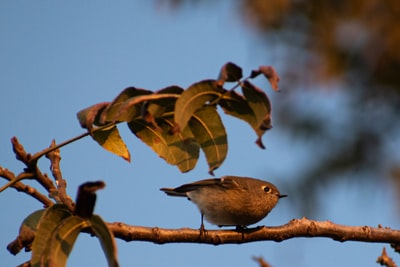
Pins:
<point x="230" y="200"/>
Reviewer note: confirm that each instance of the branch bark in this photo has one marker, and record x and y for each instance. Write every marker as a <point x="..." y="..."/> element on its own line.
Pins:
<point x="21" y="187"/>
<point x="293" y="229"/>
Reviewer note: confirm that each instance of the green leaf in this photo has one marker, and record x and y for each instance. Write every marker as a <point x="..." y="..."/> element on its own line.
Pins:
<point x="261" y="107"/>
<point x="46" y="227"/>
<point x="89" y="116"/>
<point x="111" y="141"/>
<point x="121" y="108"/>
<point x="156" y="108"/>
<point x="253" y="108"/>
<point x="106" y="239"/>
<point x="179" y="149"/>
<point x="194" y="98"/>
<point x="63" y="239"/>
<point x="230" y="72"/>
<point x="235" y="105"/>
<point x="27" y="232"/>
<point x="209" y="131"/>
<point x="57" y="232"/>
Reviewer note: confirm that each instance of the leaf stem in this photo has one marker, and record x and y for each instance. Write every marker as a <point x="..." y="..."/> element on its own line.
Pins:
<point x="240" y="82"/>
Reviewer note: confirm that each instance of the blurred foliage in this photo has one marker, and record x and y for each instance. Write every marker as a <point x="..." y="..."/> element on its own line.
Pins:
<point x="341" y="52"/>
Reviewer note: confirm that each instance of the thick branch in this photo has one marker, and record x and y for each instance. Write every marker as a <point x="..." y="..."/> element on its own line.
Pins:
<point x="295" y="228"/>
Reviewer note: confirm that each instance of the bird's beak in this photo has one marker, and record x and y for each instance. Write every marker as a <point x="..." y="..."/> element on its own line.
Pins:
<point x="281" y="196"/>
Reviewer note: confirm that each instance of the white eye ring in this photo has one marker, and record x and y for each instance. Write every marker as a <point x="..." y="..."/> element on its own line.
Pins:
<point x="266" y="189"/>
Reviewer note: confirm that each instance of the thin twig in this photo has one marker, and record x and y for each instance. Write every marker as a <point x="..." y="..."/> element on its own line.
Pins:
<point x="40" y="154"/>
<point x="261" y="261"/>
<point x="21" y="187"/>
<point x="384" y="259"/>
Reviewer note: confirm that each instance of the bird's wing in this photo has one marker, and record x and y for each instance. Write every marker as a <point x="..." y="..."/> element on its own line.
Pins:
<point x="227" y="182"/>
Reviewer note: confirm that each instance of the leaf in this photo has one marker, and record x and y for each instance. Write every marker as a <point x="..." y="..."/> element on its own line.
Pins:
<point x="207" y="127"/>
<point x="272" y="76"/>
<point x="261" y="107"/>
<point x="106" y="239"/>
<point x="179" y="149"/>
<point x="230" y="73"/>
<point x="158" y="107"/>
<point x="27" y="232"/>
<point x="192" y="99"/>
<point x="89" y="116"/>
<point x="111" y="141"/>
<point x="235" y="105"/>
<point x="62" y="240"/>
<point x="254" y="108"/>
<point x="120" y="109"/>
<point x="153" y="109"/>
<point x="46" y="227"/>
<point x="86" y="198"/>
<point x="57" y="232"/>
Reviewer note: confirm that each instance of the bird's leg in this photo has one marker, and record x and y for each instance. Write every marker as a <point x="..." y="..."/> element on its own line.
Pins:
<point x="203" y="231"/>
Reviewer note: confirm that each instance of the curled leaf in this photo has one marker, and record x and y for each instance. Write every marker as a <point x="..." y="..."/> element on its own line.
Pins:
<point x="272" y="76"/>
<point x="122" y="108"/>
<point x="86" y="198"/>
<point x="91" y="115"/>
<point x="230" y="72"/>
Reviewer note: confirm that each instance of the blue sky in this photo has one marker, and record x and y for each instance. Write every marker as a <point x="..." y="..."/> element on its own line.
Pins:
<point x="57" y="58"/>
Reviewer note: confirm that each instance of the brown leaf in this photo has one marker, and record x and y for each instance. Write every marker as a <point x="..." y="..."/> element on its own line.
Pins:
<point x="89" y="116"/>
<point x="86" y="198"/>
<point x="272" y="76"/>
<point x="230" y="72"/>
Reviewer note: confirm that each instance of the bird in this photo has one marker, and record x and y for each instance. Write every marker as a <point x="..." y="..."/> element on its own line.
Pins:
<point x="230" y="200"/>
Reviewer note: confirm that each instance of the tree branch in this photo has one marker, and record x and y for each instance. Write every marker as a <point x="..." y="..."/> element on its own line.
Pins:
<point x="385" y="260"/>
<point x="61" y="183"/>
<point x="31" y="164"/>
<point x="21" y="187"/>
<point x="295" y="228"/>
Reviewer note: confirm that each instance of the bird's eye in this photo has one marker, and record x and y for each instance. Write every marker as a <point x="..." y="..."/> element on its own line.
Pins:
<point x="267" y="189"/>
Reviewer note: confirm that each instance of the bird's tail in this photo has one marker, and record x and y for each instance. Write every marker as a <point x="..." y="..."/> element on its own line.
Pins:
<point x="172" y="192"/>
